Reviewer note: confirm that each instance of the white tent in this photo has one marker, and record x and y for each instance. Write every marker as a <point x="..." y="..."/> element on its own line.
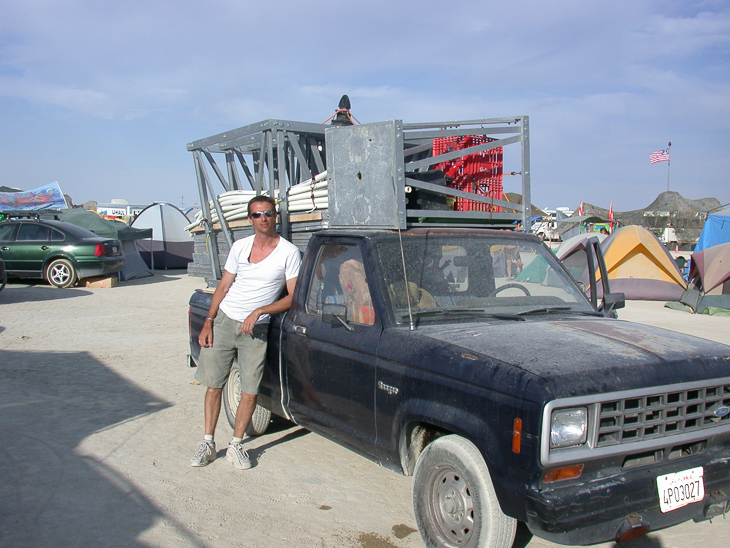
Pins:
<point x="171" y="246"/>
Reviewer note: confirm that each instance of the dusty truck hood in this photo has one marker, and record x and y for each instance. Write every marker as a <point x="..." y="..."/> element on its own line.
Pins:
<point x="587" y="355"/>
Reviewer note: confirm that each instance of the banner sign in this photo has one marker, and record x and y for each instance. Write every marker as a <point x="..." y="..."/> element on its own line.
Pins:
<point x="43" y="197"/>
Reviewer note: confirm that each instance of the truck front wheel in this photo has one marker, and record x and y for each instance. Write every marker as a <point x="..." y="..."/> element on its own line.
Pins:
<point x="232" y="395"/>
<point x="454" y="499"/>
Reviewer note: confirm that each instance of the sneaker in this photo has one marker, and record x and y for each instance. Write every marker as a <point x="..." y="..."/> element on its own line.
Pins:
<point x="238" y="456"/>
<point x="204" y="455"/>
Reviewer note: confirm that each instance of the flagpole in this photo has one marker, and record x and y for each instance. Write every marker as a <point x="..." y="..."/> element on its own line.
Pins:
<point x="669" y="153"/>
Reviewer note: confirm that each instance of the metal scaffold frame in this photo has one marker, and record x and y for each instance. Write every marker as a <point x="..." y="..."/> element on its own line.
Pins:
<point x="273" y="155"/>
<point x="418" y="140"/>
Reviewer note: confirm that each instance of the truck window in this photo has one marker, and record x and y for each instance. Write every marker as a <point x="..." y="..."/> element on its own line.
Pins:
<point x="339" y="278"/>
<point x="449" y="278"/>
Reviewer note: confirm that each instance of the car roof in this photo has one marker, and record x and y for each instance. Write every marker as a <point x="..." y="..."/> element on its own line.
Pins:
<point x="71" y="228"/>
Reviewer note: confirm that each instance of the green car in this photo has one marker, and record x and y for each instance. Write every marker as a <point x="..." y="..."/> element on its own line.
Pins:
<point x="61" y="253"/>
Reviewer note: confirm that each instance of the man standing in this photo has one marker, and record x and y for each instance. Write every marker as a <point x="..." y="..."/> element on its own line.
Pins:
<point x="256" y="271"/>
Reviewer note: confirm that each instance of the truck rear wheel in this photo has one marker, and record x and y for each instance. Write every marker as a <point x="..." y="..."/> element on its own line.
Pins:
<point x="454" y="499"/>
<point x="232" y="395"/>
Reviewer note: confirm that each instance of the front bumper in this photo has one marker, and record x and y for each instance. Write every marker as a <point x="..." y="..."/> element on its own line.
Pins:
<point x="596" y="510"/>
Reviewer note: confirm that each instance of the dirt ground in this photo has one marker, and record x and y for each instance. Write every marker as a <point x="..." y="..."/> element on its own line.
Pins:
<point x="99" y="416"/>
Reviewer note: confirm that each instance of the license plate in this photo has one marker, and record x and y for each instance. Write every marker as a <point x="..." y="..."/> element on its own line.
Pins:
<point x="680" y="489"/>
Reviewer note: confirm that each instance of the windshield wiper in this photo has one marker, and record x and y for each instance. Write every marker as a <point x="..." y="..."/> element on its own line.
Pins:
<point x="447" y="311"/>
<point x="464" y="312"/>
<point x="543" y="310"/>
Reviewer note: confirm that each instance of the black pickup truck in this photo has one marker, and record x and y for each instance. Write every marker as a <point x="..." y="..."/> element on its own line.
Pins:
<point x="473" y="361"/>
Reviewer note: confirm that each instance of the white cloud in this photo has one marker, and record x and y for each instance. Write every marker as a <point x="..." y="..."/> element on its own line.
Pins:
<point x="604" y="85"/>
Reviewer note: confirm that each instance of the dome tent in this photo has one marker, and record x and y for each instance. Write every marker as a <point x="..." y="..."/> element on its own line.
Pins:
<point x="640" y="267"/>
<point x="715" y="231"/>
<point x="170" y="246"/>
<point x="709" y="282"/>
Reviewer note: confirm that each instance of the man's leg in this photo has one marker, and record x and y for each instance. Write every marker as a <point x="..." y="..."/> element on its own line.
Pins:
<point x="212" y="407"/>
<point x="251" y="356"/>
<point x="206" y="452"/>
<point x="215" y="363"/>
<point x="245" y="410"/>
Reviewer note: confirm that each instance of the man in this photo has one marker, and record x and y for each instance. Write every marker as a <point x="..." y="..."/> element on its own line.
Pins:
<point x="256" y="271"/>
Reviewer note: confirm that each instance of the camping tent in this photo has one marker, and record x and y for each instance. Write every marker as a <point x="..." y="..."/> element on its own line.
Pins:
<point x="170" y="246"/>
<point x="716" y="231"/>
<point x="190" y="212"/>
<point x="640" y="266"/>
<point x="134" y="266"/>
<point x="709" y="275"/>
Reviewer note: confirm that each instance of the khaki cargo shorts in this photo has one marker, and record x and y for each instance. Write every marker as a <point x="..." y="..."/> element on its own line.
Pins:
<point x="229" y="346"/>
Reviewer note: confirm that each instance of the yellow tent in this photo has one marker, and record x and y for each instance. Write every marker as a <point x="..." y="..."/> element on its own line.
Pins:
<point x="640" y="266"/>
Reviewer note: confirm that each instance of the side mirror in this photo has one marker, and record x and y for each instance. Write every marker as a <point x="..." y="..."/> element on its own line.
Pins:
<point x="335" y="314"/>
<point x="613" y="301"/>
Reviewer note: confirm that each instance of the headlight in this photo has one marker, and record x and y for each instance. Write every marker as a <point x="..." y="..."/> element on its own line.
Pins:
<point x="569" y="427"/>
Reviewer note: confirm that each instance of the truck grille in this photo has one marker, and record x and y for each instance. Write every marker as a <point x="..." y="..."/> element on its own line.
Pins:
<point x="640" y="418"/>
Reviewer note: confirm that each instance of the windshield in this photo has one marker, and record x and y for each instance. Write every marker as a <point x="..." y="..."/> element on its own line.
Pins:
<point x="461" y="276"/>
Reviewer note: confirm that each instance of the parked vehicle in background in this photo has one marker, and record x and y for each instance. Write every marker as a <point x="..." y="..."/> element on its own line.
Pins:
<point x="3" y="276"/>
<point x="60" y="253"/>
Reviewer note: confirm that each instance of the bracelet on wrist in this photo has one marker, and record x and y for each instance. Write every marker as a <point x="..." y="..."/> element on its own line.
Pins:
<point x="209" y="318"/>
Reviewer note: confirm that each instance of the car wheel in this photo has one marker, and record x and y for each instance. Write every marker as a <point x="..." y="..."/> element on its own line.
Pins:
<point x="454" y="500"/>
<point x="232" y="395"/>
<point x="61" y="273"/>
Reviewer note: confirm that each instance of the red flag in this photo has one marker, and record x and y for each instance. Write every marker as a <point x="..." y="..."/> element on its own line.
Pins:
<point x="610" y="212"/>
<point x="580" y="209"/>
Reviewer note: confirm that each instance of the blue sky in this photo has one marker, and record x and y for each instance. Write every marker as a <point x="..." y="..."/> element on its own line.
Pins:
<point x="104" y="96"/>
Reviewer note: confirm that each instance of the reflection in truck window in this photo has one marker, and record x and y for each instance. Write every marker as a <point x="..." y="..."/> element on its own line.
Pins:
<point x="339" y="278"/>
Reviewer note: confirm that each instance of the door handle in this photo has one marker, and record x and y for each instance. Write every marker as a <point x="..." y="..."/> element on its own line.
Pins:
<point x="300" y="330"/>
<point x="4" y="248"/>
<point x="45" y="248"/>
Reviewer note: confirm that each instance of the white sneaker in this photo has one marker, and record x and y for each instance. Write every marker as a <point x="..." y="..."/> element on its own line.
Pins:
<point x="238" y="456"/>
<point x="204" y="455"/>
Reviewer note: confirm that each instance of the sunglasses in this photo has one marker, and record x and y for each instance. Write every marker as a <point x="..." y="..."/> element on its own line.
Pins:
<point x="257" y="214"/>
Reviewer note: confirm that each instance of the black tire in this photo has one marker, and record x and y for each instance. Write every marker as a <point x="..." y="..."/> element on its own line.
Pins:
<point x="454" y="500"/>
<point x="61" y="273"/>
<point x="232" y="395"/>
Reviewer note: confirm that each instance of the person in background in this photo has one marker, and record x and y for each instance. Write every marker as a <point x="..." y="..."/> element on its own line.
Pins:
<point x="257" y="270"/>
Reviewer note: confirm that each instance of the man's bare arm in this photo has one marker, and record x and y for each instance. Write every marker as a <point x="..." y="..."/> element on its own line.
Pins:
<point x="281" y="305"/>
<point x="206" y="334"/>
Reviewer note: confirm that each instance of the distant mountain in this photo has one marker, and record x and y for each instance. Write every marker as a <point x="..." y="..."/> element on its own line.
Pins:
<point x="669" y="208"/>
<point x="675" y="202"/>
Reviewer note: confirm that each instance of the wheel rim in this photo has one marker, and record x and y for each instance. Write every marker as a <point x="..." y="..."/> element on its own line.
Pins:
<point x="452" y="505"/>
<point x="234" y="390"/>
<point x="60" y="274"/>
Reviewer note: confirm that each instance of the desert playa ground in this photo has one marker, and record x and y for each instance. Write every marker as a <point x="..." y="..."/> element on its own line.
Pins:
<point x="99" y="416"/>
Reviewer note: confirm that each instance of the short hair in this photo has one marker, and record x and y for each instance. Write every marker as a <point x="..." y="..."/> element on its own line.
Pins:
<point x="268" y="199"/>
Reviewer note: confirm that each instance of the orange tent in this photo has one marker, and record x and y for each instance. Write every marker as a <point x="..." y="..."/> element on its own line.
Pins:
<point x="640" y="266"/>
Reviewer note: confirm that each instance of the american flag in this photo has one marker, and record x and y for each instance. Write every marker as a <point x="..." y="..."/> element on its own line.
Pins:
<point x="659" y="156"/>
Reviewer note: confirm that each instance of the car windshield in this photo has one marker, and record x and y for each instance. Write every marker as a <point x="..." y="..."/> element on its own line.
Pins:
<point x="454" y="277"/>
